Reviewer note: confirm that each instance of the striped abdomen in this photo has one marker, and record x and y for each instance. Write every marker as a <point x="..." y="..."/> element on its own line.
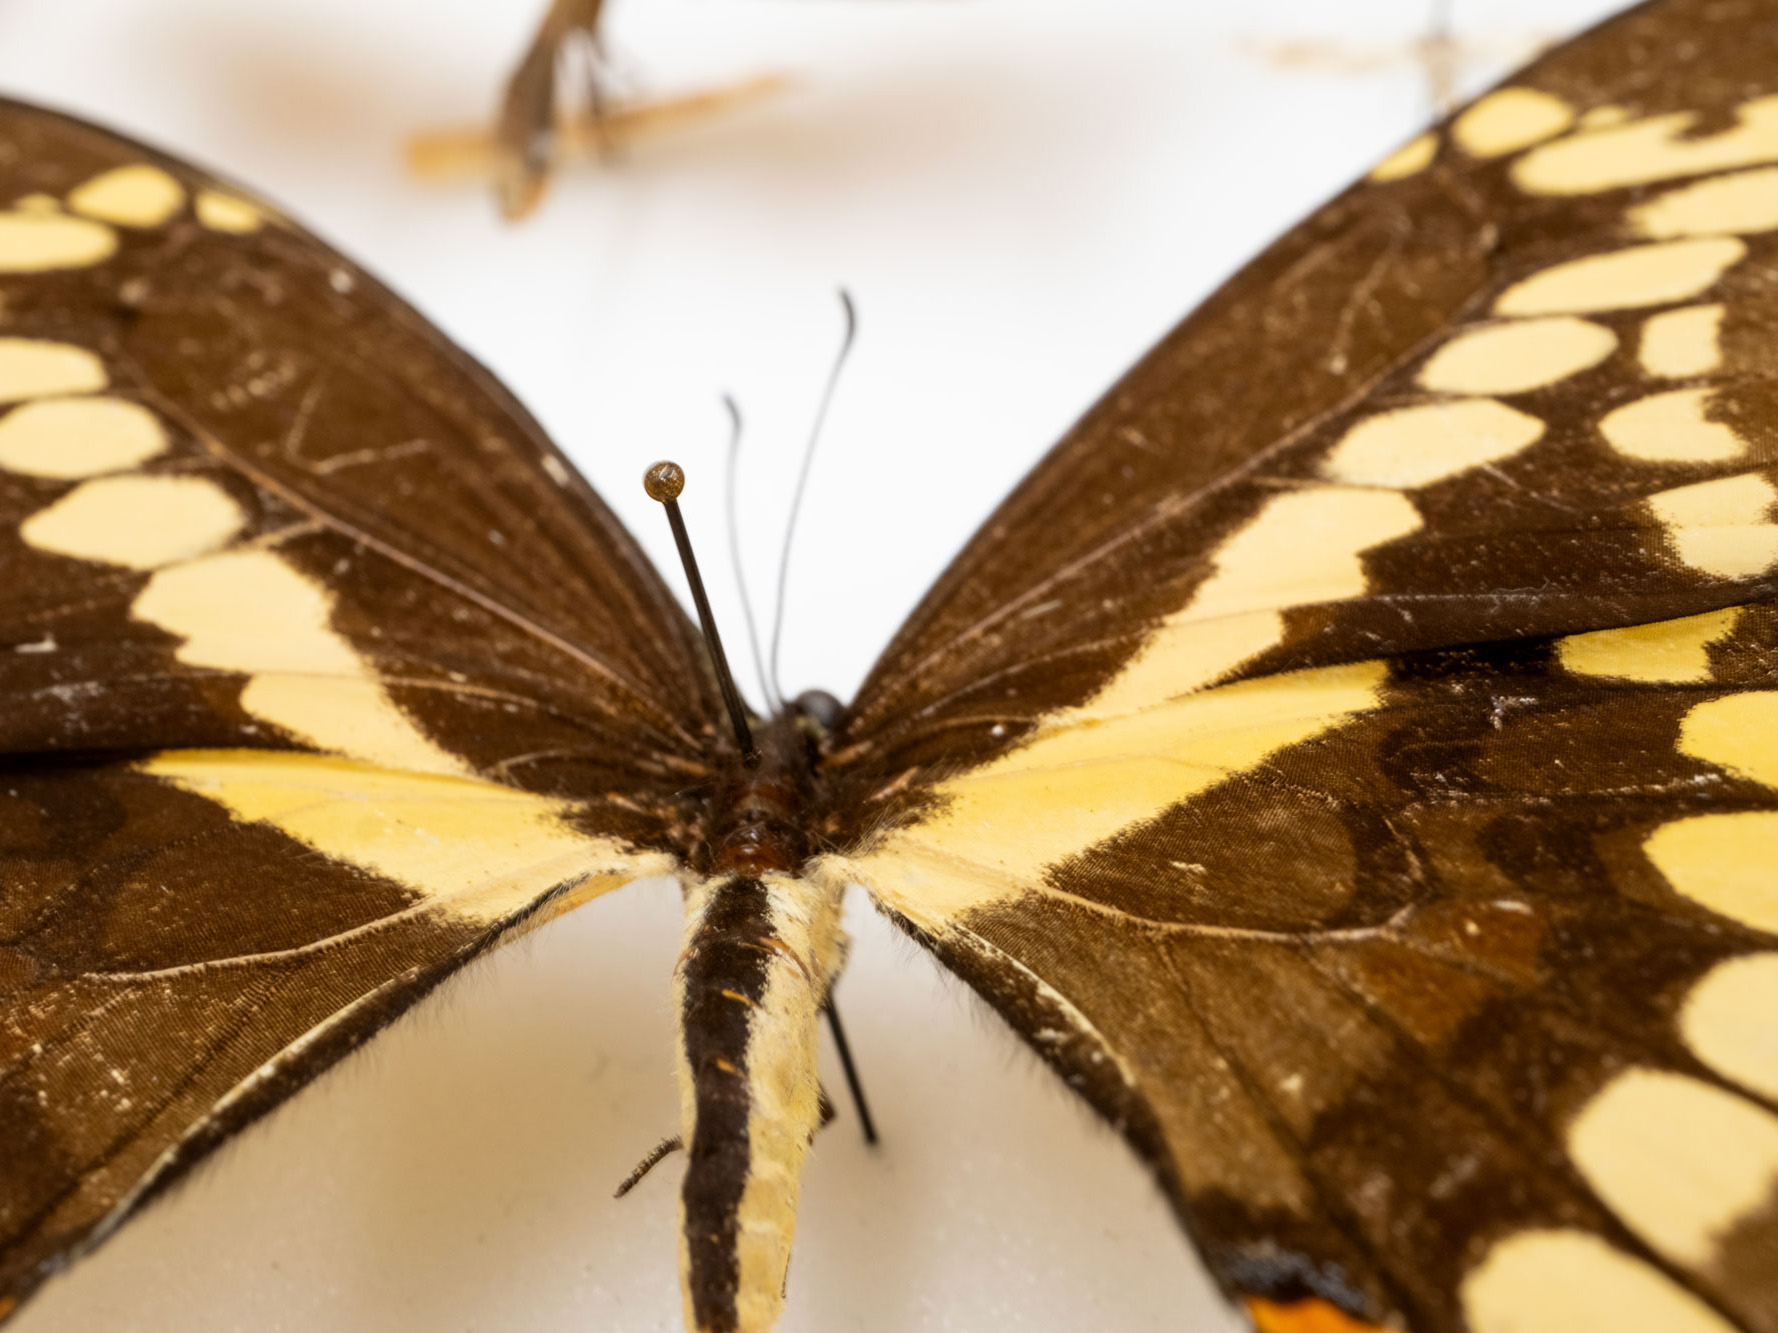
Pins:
<point x="759" y="955"/>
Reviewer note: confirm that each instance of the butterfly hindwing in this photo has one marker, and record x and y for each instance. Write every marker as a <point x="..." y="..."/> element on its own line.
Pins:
<point x="1347" y="757"/>
<point x="306" y="633"/>
<point x="190" y="937"/>
<point x="1425" y="976"/>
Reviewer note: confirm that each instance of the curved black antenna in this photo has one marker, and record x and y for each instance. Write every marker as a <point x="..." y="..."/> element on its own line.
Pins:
<point x="802" y="477"/>
<point x="773" y="702"/>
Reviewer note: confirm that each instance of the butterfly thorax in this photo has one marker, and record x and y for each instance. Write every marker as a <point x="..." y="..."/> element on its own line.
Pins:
<point x="762" y="946"/>
<point x="756" y="813"/>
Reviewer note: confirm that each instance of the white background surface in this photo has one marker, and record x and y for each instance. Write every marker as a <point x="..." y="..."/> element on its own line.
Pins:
<point x="1022" y="194"/>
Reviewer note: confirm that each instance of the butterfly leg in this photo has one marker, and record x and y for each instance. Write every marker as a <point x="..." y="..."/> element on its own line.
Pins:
<point x="853" y="1083"/>
<point x="759" y="958"/>
<point x="654" y="1157"/>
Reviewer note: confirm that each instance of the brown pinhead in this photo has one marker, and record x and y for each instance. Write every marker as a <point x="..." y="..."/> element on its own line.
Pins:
<point x="664" y="481"/>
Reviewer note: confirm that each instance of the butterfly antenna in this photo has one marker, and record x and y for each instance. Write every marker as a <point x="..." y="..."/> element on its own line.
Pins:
<point x="802" y="477"/>
<point x="852" y="1083"/>
<point x="663" y="482"/>
<point x="774" y="702"/>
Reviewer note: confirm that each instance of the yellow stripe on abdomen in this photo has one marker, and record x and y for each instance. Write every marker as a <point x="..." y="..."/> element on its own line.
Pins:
<point x="759" y="956"/>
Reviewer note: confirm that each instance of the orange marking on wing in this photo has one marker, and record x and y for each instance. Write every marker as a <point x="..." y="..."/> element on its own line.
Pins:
<point x="1312" y="1316"/>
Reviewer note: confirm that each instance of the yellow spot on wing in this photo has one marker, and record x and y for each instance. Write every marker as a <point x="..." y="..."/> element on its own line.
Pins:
<point x="32" y="368"/>
<point x="1186" y="654"/>
<point x="1680" y="1162"/>
<point x="347" y="715"/>
<point x="1154" y="736"/>
<point x="133" y="196"/>
<point x="1621" y="279"/>
<point x="1415" y="446"/>
<point x="246" y="611"/>
<point x="480" y="851"/>
<point x="1723" y="862"/>
<point x="230" y="213"/>
<point x="1678" y="343"/>
<point x="1673" y="651"/>
<point x="39" y="242"/>
<point x="1737" y="731"/>
<point x="1303" y="547"/>
<point x="71" y="438"/>
<point x="1517" y="357"/>
<point x="138" y="521"/>
<point x="1744" y="202"/>
<point x="1511" y="119"/>
<point x="1412" y="156"/>
<point x="251" y="612"/>
<point x="1671" y="428"/>
<point x="1728" y="1021"/>
<point x="1649" y="150"/>
<point x="1549" y="1281"/>
<point x="1602" y="117"/>
<point x="1721" y="527"/>
<point x="1081" y="782"/>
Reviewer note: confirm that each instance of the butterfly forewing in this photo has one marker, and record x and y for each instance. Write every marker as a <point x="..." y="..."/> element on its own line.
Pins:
<point x="1464" y="401"/>
<point x="1349" y="757"/>
<point x="308" y="634"/>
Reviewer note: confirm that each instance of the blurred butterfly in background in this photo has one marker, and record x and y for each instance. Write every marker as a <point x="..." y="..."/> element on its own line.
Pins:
<point x="1349" y="760"/>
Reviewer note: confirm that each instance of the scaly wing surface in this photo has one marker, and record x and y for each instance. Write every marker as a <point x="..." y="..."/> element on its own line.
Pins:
<point x="1351" y="758"/>
<point x="321" y="672"/>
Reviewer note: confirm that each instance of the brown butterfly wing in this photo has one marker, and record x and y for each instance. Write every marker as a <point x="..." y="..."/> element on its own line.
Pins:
<point x="1246" y="760"/>
<point x="1299" y="376"/>
<point x="305" y="632"/>
<point x="1476" y="975"/>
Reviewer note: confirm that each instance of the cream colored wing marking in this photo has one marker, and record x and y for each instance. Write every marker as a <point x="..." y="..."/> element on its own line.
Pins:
<point x="1495" y="928"/>
<point x="191" y="937"/>
<point x="470" y="849"/>
<point x="299" y="517"/>
<point x="405" y="688"/>
<point x="1291" y="759"/>
<point x="1089" y="778"/>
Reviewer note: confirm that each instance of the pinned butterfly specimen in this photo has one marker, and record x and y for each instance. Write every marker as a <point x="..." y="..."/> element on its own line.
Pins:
<point x="534" y="135"/>
<point x="526" y="131"/>
<point x="1350" y="760"/>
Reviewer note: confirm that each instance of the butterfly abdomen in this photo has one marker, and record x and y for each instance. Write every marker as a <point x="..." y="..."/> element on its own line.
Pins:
<point x="762" y="946"/>
<point x="759" y="956"/>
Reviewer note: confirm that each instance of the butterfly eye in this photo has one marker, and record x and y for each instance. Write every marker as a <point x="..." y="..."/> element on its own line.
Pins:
<point x="818" y="711"/>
